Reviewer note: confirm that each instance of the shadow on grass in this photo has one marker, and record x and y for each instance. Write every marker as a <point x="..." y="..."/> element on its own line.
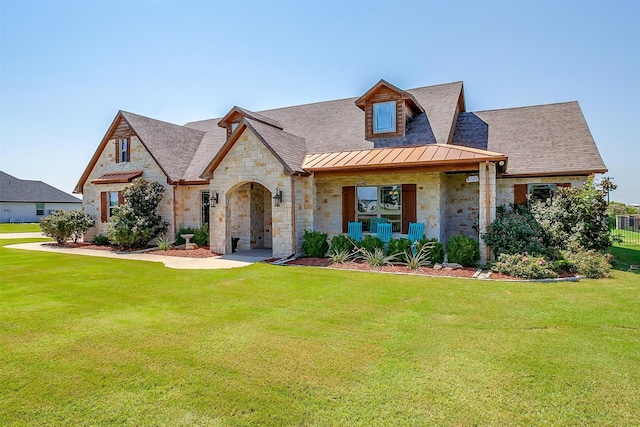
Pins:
<point x="626" y="257"/>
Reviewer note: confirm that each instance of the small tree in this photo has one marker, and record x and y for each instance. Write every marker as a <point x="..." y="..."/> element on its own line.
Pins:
<point x="134" y="223"/>
<point x="62" y="225"/>
<point x="575" y="216"/>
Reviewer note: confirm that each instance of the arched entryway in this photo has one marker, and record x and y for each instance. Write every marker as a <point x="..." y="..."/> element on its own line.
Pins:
<point x="249" y="217"/>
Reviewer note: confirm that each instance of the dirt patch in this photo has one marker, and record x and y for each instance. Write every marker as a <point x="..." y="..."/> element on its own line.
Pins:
<point x="201" y="252"/>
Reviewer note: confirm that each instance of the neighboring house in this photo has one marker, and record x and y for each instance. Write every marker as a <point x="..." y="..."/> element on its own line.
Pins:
<point x="406" y="155"/>
<point x="29" y="201"/>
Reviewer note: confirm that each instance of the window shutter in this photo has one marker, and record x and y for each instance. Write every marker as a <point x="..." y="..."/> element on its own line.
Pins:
<point x="520" y="194"/>
<point x="120" y="198"/>
<point x="348" y="206"/>
<point x="128" y="159"/>
<point x="117" y="151"/>
<point x="409" y="206"/>
<point x="104" y="206"/>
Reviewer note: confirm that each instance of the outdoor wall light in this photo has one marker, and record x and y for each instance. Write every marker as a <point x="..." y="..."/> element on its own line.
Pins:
<point x="214" y="197"/>
<point x="277" y="197"/>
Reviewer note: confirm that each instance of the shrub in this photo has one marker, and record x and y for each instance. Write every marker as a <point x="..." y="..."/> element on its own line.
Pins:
<point x="315" y="243"/>
<point x="524" y="266"/>
<point x="62" y="225"/>
<point x="419" y="258"/>
<point x="399" y="247"/>
<point x="371" y="243"/>
<point x="200" y="235"/>
<point x="376" y="257"/>
<point x="100" y="240"/>
<point x="463" y="250"/>
<point x="588" y="263"/>
<point x="134" y="223"/>
<point x="341" y="242"/>
<point x="436" y="249"/>
<point x="575" y="217"/>
<point x="514" y="231"/>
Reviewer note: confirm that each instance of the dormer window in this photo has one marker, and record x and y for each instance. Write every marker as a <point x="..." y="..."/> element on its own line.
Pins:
<point x="384" y="117"/>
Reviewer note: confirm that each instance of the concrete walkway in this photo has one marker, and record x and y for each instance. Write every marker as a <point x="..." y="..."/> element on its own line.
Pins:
<point x="239" y="259"/>
<point x="22" y="235"/>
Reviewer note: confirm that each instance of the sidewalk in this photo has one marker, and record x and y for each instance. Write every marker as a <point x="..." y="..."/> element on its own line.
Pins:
<point x="22" y="235"/>
<point x="212" y="263"/>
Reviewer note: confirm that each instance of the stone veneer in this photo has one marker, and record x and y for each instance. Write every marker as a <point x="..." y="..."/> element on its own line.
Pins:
<point x="140" y="160"/>
<point x="188" y="205"/>
<point x="428" y="197"/>
<point x="249" y="161"/>
<point x="461" y="206"/>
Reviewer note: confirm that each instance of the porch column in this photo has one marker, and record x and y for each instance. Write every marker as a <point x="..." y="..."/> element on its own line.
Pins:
<point x="487" y="204"/>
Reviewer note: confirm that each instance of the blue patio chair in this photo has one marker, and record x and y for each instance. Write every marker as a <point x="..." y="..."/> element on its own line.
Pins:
<point x="355" y="231"/>
<point x="416" y="231"/>
<point x="384" y="231"/>
<point x="373" y="224"/>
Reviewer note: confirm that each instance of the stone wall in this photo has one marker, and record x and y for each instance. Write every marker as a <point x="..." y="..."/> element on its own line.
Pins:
<point x="249" y="161"/>
<point x="328" y="216"/>
<point x="188" y="205"/>
<point x="140" y="160"/>
<point x="505" y="185"/>
<point x="305" y="206"/>
<point x="461" y="206"/>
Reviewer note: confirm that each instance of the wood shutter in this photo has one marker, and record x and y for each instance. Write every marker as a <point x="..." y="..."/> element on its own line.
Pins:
<point x="117" y="151"/>
<point x="520" y="194"/>
<point x="348" y="207"/>
<point x="409" y="206"/>
<point x="104" y="206"/>
<point x="120" y="198"/>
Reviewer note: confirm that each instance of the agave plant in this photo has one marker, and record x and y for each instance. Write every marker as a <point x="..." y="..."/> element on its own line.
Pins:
<point x="163" y="243"/>
<point x="340" y="256"/>
<point x="377" y="257"/>
<point x="420" y="258"/>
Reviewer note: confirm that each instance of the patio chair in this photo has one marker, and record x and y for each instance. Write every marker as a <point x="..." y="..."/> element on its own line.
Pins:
<point x="416" y="231"/>
<point x="355" y="231"/>
<point x="373" y="224"/>
<point x="384" y="231"/>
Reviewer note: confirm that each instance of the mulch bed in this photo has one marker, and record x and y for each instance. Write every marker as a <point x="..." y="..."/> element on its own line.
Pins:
<point x="201" y="252"/>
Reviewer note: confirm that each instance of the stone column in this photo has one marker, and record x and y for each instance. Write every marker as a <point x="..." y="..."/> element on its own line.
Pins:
<point x="487" y="204"/>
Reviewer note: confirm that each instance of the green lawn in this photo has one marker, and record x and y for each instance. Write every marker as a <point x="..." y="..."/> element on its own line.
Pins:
<point x="19" y="228"/>
<point x="107" y="342"/>
<point x="629" y="238"/>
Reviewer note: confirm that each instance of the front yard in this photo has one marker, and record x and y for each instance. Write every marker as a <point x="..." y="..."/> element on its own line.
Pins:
<point x="108" y="342"/>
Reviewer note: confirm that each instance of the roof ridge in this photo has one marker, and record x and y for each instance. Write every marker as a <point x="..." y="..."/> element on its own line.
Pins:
<point x="523" y="107"/>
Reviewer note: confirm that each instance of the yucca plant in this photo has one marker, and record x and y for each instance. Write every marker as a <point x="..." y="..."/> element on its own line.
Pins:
<point x="340" y="256"/>
<point x="163" y="243"/>
<point x="421" y="258"/>
<point x="377" y="257"/>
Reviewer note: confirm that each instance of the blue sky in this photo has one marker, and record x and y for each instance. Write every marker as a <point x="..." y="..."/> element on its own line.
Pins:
<point x="67" y="67"/>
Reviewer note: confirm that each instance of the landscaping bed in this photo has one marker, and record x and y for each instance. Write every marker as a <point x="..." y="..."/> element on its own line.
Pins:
<point x="201" y="252"/>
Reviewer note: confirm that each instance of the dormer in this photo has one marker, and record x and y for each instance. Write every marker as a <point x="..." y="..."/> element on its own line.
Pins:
<point x="234" y="116"/>
<point x="387" y="109"/>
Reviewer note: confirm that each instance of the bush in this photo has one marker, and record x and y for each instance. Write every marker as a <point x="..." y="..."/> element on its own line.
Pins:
<point x="588" y="263"/>
<point x="575" y="217"/>
<point x="436" y="251"/>
<point x="463" y="250"/>
<point x="134" y="223"/>
<point x="62" y="225"/>
<point x="525" y="266"/>
<point x="371" y="243"/>
<point x="200" y="235"/>
<point x="315" y="243"/>
<point x="340" y="243"/>
<point x="399" y="247"/>
<point x="419" y="258"/>
<point x="402" y="246"/>
<point x="100" y="240"/>
<point x="340" y="256"/>
<point x="376" y="257"/>
<point x="163" y="243"/>
<point x="515" y="231"/>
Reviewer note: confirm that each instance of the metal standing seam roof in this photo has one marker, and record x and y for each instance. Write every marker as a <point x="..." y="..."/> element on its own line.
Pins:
<point x="115" y="177"/>
<point x="425" y="155"/>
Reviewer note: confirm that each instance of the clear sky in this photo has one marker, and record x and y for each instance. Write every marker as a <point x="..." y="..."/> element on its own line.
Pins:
<point x="67" y="67"/>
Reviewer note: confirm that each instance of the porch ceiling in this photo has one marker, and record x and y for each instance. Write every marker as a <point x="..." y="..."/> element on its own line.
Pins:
<point x="384" y="158"/>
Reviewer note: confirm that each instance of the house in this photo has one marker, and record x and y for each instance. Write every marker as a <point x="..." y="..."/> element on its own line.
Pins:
<point x="411" y="155"/>
<point x="29" y="201"/>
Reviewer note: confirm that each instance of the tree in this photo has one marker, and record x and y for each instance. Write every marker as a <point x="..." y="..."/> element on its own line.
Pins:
<point x="62" y="225"/>
<point x="575" y="217"/>
<point x="607" y="186"/>
<point x="134" y="223"/>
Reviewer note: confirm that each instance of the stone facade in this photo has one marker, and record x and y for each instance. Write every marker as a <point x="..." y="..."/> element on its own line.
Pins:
<point x="249" y="161"/>
<point x="461" y="206"/>
<point x="505" y="185"/>
<point x="140" y="159"/>
<point x="188" y="205"/>
<point x="486" y="188"/>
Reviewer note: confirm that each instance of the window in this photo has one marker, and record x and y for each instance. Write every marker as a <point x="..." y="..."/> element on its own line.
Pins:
<point x="113" y="197"/>
<point x="379" y="202"/>
<point x="204" y="198"/>
<point x="123" y="150"/>
<point x="39" y="209"/>
<point x="542" y="192"/>
<point x="234" y="126"/>
<point x="384" y="117"/>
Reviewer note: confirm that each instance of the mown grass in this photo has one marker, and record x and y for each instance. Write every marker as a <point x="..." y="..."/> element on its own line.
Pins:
<point x="629" y="238"/>
<point x="19" y="228"/>
<point x="94" y="341"/>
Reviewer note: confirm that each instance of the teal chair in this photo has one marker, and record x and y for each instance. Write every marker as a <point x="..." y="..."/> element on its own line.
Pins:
<point x="355" y="231"/>
<point x="384" y="231"/>
<point x="416" y="231"/>
<point x="373" y="224"/>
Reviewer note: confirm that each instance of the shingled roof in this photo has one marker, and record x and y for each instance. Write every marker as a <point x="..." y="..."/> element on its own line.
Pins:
<point x="13" y="189"/>
<point x="540" y="140"/>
